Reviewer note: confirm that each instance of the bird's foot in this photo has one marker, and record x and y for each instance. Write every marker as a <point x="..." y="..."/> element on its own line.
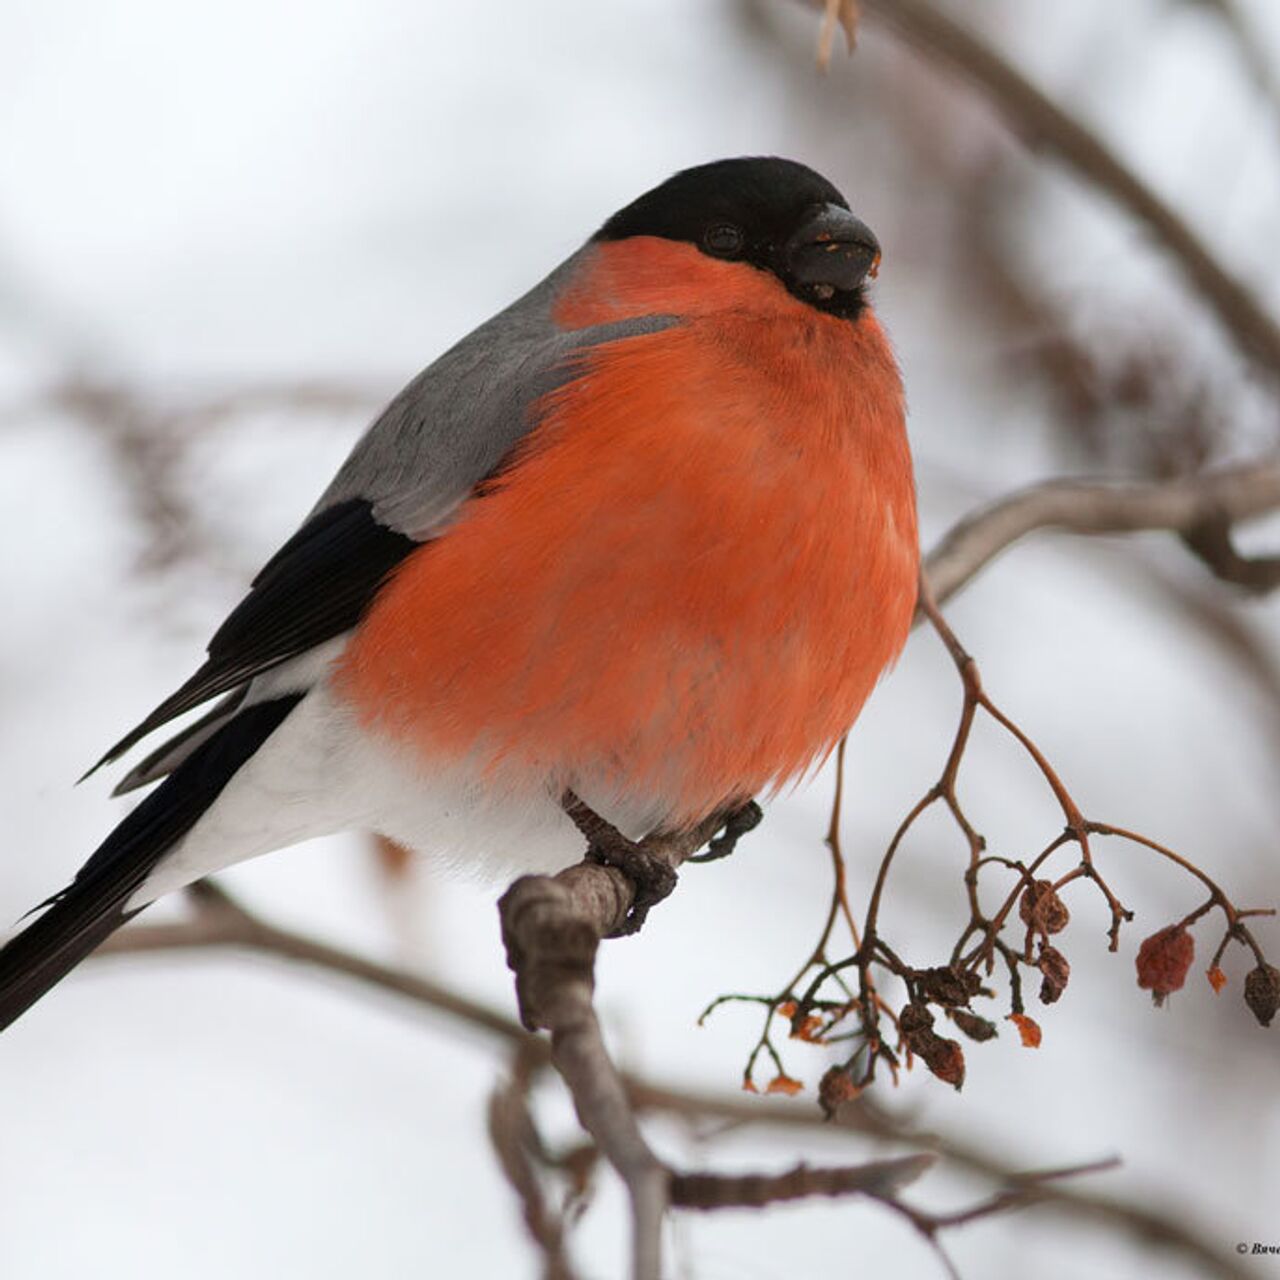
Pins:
<point x="651" y="875"/>
<point x="737" y="823"/>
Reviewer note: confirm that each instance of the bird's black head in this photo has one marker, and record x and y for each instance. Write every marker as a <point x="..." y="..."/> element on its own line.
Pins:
<point x="774" y="214"/>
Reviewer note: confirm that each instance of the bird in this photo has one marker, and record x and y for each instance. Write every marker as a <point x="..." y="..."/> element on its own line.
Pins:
<point x="645" y="539"/>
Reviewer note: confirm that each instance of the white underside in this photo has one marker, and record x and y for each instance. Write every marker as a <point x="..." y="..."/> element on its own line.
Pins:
<point x="320" y="772"/>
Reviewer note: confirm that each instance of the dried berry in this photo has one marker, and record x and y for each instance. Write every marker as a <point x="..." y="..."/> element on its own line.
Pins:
<point x="945" y="1058"/>
<point x="1163" y="961"/>
<point x="1041" y="909"/>
<point x="835" y="1089"/>
<point x="1055" y="970"/>
<point x="913" y="1018"/>
<point x="948" y="984"/>
<point x="1262" y="992"/>
<point x="973" y="1026"/>
<point x="1217" y="979"/>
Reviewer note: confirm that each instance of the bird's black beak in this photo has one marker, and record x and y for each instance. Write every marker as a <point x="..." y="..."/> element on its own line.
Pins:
<point x="831" y="250"/>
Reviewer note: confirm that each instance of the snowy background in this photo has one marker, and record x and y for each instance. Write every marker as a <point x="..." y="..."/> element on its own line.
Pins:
<point x="208" y="201"/>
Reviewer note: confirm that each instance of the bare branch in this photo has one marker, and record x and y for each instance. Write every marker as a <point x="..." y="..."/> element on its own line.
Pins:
<point x="1096" y="507"/>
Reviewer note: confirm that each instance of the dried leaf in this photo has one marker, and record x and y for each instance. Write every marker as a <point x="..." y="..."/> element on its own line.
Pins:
<point x="1028" y="1029"/>
<point x="846" y="14"/>
<point x="784" y="1084"/>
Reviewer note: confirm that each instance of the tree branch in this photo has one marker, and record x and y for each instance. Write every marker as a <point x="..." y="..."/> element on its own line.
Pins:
<point x="1097" y="507"/>
<point x="552" y="926"/>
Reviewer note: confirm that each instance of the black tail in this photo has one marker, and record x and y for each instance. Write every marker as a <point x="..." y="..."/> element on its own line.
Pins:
<point x="93" y="905"/>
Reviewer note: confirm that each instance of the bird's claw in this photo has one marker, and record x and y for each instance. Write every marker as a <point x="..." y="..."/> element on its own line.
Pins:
<point x="736" y="825"/>
<point x="652" y="877"/>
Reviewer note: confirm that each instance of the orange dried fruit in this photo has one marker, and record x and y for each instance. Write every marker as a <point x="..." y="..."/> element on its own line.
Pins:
<point x="1163" y="961"/>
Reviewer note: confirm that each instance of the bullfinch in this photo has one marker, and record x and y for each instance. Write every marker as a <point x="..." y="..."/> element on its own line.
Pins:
<point x="646" y="537"/>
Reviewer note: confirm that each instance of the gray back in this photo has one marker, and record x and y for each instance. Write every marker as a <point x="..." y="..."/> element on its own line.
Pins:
<point x="456" y="421"/>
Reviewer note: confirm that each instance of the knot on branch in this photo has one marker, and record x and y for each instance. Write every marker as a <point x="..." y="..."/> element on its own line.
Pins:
<point x="1212" y="541"/>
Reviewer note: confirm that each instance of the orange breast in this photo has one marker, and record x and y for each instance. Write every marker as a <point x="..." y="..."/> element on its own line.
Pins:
<point x="690" y="579"/>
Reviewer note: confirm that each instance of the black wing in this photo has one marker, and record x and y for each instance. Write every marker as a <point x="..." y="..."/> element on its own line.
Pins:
<point x="314" y="588"/>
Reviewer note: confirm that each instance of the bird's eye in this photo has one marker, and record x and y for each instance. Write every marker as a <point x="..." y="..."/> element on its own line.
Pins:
<point x="723" y="239"/>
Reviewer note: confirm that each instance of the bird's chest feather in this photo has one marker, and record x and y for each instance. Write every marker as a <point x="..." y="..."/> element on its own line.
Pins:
<point x="686" y="584"/>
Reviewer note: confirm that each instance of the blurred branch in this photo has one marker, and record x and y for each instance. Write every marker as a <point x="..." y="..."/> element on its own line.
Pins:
<point x="518" y="1147"/>
<point x="1182" y="506"/>
<point x="1042" y="123"/>
<point x="147" y="440"/>
<point x="878" y="1178"/>
<point x="220" y="921"/>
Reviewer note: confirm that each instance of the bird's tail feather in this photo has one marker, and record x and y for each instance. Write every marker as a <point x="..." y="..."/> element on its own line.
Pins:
<point x="95" y="904"/>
